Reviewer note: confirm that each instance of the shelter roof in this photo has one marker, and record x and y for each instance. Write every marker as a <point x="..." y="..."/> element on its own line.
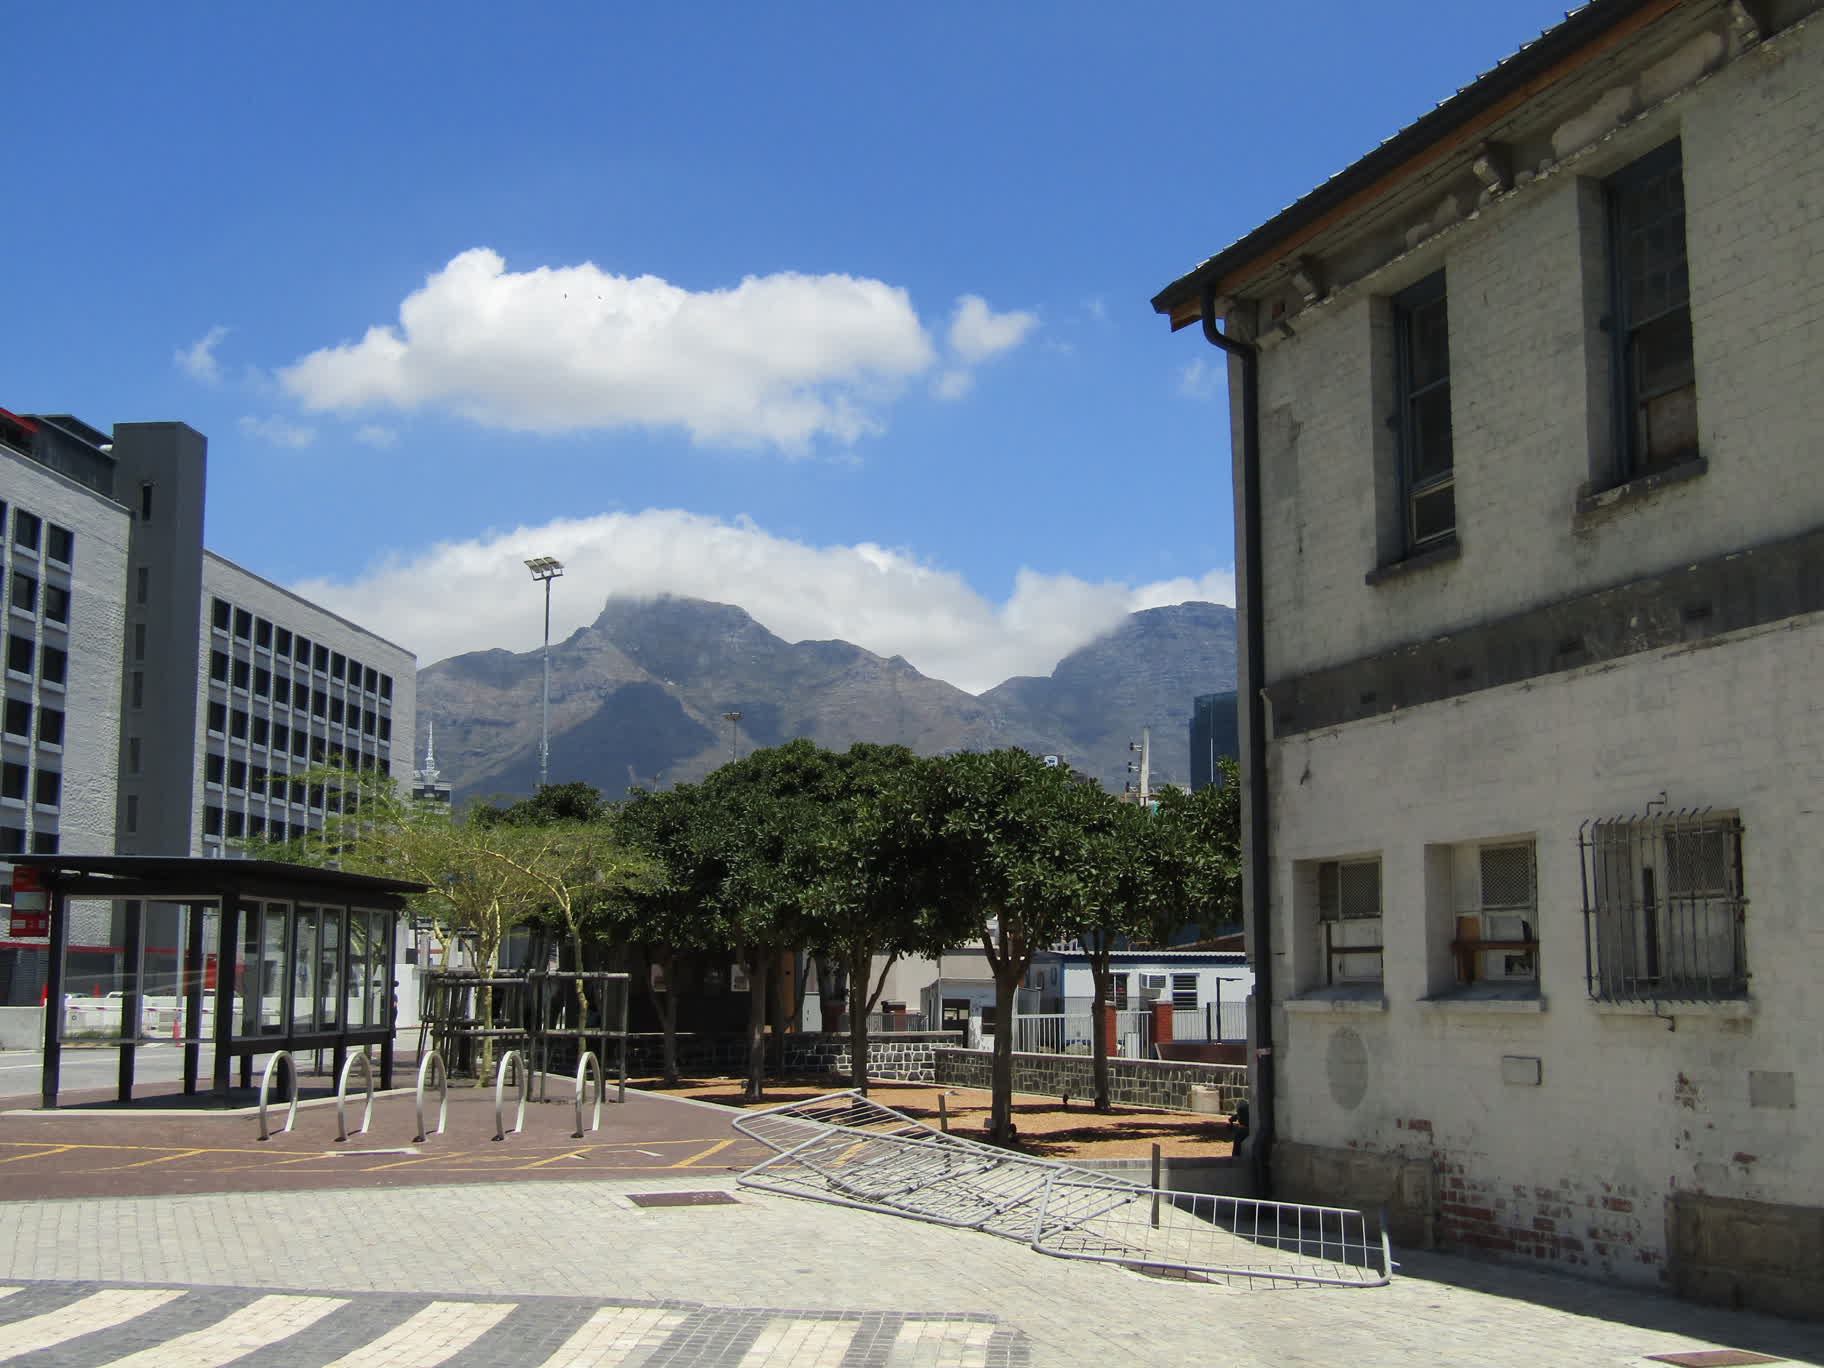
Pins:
<point x="184" y="877"/>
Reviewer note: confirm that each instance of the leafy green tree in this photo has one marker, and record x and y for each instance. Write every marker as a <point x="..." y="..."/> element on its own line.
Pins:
<point x="1011" y="864"/>
<point x="870" y="871"/>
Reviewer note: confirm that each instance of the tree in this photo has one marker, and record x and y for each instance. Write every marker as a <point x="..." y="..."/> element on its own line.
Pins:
<point x="1118" y="853"/>
<point x="670" y="912"/>
<point x="1011" y="865"/>
<point x="373" y="827"/>
<point x="870" y="870"/>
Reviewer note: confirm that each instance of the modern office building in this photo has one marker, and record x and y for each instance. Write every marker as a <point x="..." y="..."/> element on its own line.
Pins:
<point x="1214" y="736"/>
<point x="156" y="694"/>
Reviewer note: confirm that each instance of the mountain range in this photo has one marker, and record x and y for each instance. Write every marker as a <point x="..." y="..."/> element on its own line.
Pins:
<point x="639" y="697"/>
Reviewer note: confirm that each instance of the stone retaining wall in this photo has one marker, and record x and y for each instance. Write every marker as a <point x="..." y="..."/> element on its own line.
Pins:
<point x="904" y="1056"/>
<point x="1135" y="1082"/>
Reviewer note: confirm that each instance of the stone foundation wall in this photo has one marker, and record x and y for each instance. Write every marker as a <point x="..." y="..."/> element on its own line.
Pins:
<point x="1759" y="1255"/>
<point x="904" y="1056"/>
<point x="1133" y="1082"/>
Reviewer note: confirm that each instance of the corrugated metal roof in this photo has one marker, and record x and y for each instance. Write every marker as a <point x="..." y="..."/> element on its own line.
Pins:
<point x="1580" y="25"/>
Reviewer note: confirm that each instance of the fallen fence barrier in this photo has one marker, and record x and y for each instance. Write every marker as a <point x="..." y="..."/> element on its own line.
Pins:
<point x="848" y="1150"/>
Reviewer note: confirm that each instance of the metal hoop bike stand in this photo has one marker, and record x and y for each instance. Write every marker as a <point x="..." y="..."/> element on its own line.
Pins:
<point x="291" y="1076"/>
<point x="583" y="1065"/>
<point x="500" y="1083"/>
<point x="367" y="1112"/>
<point x="443" y="1094"/>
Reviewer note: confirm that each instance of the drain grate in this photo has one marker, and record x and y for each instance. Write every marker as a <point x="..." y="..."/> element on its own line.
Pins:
<point x="1714" y="1358"/>
<point x="666" y="1199"/>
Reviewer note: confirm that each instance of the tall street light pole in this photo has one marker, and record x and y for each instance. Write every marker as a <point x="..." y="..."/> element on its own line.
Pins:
<point x="734" y="735"/>
<point x="545" y="569"/>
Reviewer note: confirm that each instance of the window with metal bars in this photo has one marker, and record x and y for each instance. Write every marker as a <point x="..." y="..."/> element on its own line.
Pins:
<point x="1664" y="907"/>
<point x="1650" y="317"/>
<point x="1498" y="941"/>
<point x="1421" y="327"/>
<point x="1349" y="914"/>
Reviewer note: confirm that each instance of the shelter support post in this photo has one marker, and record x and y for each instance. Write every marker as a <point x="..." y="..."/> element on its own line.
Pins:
<point x="193" y="994"/>
<point x="134" y="915"/>
<point x="227" y="943"/>
<point x="53" y="998"/>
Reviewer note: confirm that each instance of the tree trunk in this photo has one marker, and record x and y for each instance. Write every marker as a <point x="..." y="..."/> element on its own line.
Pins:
<point x="1000" y="1123"/>
<point x="858" y="1023"/>
<point x="829" y="995"/>
<point x="665" y="1007"/>
<point x="756" y="1026"/>
<point x="1098" y="1014"/>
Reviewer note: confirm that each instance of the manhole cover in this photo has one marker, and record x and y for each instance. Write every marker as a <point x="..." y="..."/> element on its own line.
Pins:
<point x="1714" y="1358"/>
<point x="664" y="1199"/>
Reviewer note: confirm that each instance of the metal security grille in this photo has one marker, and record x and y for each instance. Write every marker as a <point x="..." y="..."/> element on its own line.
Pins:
<point x="1507" y="878"/>
<point x="1664" y="907"/>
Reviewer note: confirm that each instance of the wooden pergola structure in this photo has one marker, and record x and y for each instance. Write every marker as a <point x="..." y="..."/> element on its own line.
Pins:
<point x="303" y="957"/>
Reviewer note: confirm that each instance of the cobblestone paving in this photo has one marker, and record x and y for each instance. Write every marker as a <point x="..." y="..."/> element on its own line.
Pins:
<point x="763" y="1281"/>
<point x="92" y="1325"/>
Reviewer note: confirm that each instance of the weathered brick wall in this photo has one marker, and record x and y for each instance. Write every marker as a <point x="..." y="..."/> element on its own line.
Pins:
<point x="1134" y="1082"/>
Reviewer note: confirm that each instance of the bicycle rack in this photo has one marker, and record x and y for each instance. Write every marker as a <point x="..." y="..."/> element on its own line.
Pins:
<point x="443" y="1094"/>
<point x="500" y="1083"/>
<point x="367" y="1113"/>
<point x="291" y="1074"/>
<point x="583" y="1065"/>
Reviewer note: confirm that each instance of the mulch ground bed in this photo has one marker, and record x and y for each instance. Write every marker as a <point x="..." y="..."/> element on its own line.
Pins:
<point x="1046" y="1127"/>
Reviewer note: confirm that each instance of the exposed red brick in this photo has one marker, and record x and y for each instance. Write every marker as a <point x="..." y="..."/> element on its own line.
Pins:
<point x="1741" y="1158"/>
<point x="1617" y="1204"/>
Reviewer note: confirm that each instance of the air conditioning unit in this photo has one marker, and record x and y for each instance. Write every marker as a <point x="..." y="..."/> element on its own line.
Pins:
<point x="1153" y="986"/>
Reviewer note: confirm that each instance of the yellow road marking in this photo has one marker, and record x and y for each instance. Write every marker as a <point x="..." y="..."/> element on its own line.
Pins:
<point x="716" y="1148"/>
<point x="39" y="1154"/>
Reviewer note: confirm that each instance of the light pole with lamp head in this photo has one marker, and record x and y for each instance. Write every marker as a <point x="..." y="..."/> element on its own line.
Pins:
<point x="734" y="735"/>
<point x="545" y="569"/>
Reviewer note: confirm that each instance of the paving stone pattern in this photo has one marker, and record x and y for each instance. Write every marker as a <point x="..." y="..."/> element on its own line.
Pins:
<point x="769" y="1281"/>
<point x="96" y="1325"/>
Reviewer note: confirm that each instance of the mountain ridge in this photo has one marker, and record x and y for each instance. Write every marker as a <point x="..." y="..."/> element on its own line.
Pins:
<point x="638" y="696"/>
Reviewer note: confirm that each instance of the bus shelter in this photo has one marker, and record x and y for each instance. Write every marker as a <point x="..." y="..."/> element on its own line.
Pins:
<point x="271" y="957"/>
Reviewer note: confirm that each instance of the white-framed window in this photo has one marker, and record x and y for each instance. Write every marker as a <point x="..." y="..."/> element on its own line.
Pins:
<point x="1349" y="918"/>
<point x="1497" y="913"/>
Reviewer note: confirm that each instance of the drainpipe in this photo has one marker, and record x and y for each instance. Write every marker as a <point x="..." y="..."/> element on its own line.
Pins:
<point x="1252" y="684"/>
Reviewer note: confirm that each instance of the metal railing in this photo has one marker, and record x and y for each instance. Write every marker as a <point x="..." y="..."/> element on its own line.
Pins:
<point x="367" y="1112"/>
<point x="1213" y="1021"/>
<point x="524" y="1075"/>
<point x="291" y="1075"/>
<point x="583" y="1066"/>
<point x="443" y="1094"/>
<point x="1071" y="1033"/>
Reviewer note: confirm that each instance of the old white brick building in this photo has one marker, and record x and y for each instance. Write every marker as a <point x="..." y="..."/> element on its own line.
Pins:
<point x="1526" y="408"/>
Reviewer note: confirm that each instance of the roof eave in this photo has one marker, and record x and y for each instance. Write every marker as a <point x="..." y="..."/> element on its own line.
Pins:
<point x="1583" y="36"/>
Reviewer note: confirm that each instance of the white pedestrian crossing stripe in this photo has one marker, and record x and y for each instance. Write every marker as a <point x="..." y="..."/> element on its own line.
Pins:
<point x="438" y="1332"/>
<point x="416" y="1332"/>
<point x="264" y="1322"/>
<point x="97" y="1311"/>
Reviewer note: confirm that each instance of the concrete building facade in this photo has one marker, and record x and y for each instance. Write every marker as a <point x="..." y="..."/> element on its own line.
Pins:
<point x="1524" y="411"/>
<point x="154" y="689"/>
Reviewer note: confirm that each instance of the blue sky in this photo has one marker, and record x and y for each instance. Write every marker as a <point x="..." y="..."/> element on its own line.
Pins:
<point x="835" y="311"/>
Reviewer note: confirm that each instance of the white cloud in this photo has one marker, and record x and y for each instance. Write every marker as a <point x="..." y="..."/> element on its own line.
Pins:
<point x="977" y="332"/>
<point x="953" y="384"/>
<point x="198" y="359"/>
<point x="380" y="438"/>
<point x="466" y="596"/>
<point x="1200" y="380"/>
<point x="278" y="432"/>
<point x="780" y="360"/>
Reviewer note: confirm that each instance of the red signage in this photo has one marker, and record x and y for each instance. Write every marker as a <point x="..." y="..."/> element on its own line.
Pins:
<point x="31" y="914"/>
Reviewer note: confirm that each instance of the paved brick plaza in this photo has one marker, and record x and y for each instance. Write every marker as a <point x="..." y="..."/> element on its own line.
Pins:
<point x="392" y="1268"/>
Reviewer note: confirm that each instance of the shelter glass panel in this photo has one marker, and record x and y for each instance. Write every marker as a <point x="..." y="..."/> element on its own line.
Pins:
<point x="274" y="968"/>
<point x="304" y="987"/>
<point x="329" y="969"/>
